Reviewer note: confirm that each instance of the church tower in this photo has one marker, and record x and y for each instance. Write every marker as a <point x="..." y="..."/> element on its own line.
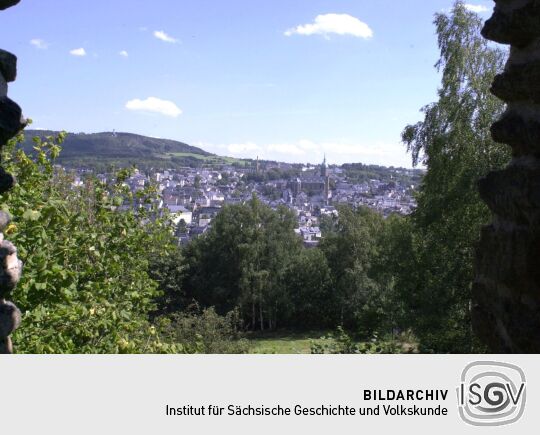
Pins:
<point x="326" y="178"/>
<point x="324" y="168"/>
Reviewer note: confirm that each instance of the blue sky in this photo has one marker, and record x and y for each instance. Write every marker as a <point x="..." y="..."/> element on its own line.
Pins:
<point x="284" y="79"/>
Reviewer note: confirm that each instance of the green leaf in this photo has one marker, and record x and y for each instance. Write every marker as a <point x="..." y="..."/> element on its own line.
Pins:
<point x="31" y="215"/>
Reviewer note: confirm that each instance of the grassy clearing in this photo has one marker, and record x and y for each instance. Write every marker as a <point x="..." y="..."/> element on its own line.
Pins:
<point x="196" y="156"/>
<point x="283" y="342"/>
<point x="287" y="342"/>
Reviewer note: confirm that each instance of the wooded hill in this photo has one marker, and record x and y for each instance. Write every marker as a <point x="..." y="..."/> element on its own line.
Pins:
<point x="99" y="150"/>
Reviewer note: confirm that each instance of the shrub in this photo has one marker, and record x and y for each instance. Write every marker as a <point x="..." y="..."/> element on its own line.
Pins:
<point x="85" y="286"/>
<point x="207" y="332"/>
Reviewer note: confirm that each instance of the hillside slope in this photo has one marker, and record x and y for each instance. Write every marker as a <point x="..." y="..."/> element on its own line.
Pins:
<point x="121" y="149"/>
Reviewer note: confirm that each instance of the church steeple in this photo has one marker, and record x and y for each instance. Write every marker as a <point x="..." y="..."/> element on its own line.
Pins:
<point x="326" y="178"/>
<point x="324" y="168"/>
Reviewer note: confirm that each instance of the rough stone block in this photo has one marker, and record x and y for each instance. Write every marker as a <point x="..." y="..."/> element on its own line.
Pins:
<point x="485" y="315"/>
<point x="514" y="193"/>
<point x="517" y="27"/>
<point x="521" y="133"/>
<point x="506" y="325"/>
<point x="519" y="82"/>
<point x="6" y="346"/>
<point x="7" y="181"/>
<point x="510" y="256"/>
<point x="4" y="4"/>
<point x="506" y="291"/>
<point x="8" y="65"/>
<point x="10" y="318"/>
<point x="10" y="268"/>
<point x="3" y="86"/>
<point x="11" y="119"/>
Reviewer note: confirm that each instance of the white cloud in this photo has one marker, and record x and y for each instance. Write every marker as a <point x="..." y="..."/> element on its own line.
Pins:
<point x="155" y="105"/>
<point x="161" y="35"/>
<point x="123" y="53"/>
<point x="78" y="52"/>
<point x="340" y="24"/>
<point x="39" y="43"/>
<point x="476" y="8"/>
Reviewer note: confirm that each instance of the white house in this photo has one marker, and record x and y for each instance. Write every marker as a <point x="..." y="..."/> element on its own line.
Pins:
<point x="179" y="213"/>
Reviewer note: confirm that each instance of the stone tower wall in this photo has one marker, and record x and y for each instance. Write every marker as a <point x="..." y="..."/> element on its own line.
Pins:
<point x="506" y="291"/>
<point x="11" y="123"/>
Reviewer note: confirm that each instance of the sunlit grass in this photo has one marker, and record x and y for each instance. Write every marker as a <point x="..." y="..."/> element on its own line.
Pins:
<point x="284" y="342"/>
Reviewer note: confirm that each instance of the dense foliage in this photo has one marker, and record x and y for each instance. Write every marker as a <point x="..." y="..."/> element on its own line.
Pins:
<point x="85" y="286"/>
<point x="252" y="261"/>
<point x="207" y="332"/>
<point x="243" y="263"/>
<point x="455" y="144"/>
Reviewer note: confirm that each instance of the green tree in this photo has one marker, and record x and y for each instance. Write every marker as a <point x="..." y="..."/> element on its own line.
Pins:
<point x="455" y="144"/>
<point x="181" y="228"/>
<point x="167" y="269"/>
<point x="308" y="282"/>
<point x="85" y="286"/>
<point x="242" y="263"/>
<point x="204" y="331"/>
<point x="351" y="250"/>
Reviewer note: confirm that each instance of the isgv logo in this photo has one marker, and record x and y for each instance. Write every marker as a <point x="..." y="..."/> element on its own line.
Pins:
<point x="491" y="393"/>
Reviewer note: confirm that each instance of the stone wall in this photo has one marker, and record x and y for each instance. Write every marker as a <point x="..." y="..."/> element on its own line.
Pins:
<point x="506" y="292"/>
<point x="11" y="122"/>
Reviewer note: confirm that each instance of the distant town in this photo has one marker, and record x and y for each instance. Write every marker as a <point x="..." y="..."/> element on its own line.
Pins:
<point x="194" y="196"/>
